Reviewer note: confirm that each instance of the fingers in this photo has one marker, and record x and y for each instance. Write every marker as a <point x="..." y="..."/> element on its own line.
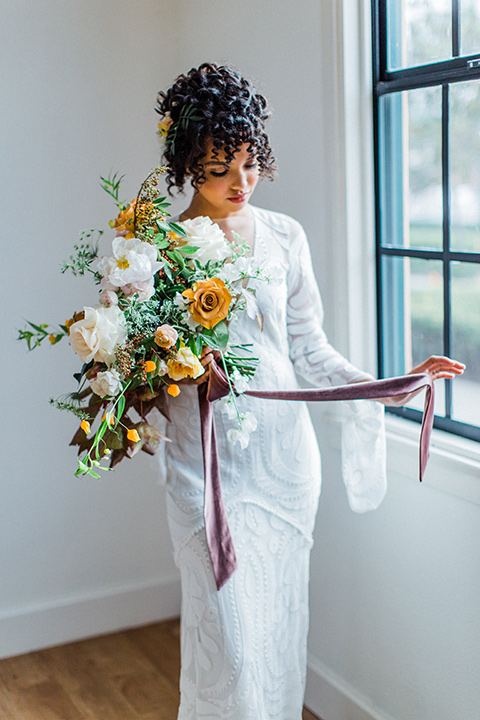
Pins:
<point x="439" y="366"/>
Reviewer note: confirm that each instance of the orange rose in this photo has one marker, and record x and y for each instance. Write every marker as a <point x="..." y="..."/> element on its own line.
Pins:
<point x="173" y="390"/>
<point x="124" y="222"/>
<point x="209" y="301"/>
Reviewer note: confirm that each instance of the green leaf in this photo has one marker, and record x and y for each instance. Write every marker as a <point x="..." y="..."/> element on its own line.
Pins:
<point x="168" y="273"/>
<point x="177" y="229"/>
<point x="162" y="225"/>
<point x="187" y="249"/>
<point x="162" y="243"/>
<point x="221" y="335"/>
<point x="120" y="407"/>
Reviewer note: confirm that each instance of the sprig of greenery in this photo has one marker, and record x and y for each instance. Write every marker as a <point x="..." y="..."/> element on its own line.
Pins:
<point x="39" y="333"/>
<point x="90" y="463"/>
<point x="69" y="406"/>
<point x="111" y="185"/>
<point x="85" y="254"/>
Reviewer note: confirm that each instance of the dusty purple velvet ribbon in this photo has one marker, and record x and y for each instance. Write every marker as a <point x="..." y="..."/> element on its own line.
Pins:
<point x="219" y="539"/>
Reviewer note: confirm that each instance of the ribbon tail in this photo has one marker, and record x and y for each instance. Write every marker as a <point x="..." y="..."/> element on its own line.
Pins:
<point x="427" y="424"/>
<point x="219" y="540"/>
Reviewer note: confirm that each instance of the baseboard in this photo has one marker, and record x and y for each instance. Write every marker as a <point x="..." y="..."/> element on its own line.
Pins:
<point x="112" y="609"/>
<point x="329" y="697"/>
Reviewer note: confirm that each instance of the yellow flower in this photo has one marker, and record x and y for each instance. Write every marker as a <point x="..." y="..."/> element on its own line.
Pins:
<point x="184" y="364"/>
<point x="109" y="417"/>
<point x="209" y="301"/>
<point x="133" y="435"/>
<point x="164" y="126"/>
<point x="85" y="425"/>
<point x="124" y="222"/>
<point x="52" y="339"/>
<point x="173" y="390"/>
<point x="150" y="366"/>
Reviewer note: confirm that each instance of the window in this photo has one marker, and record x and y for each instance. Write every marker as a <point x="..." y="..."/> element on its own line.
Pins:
<point x="427" y="160"/>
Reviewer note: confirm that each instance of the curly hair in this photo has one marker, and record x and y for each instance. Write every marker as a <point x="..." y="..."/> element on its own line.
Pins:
<point x="214" y="103"/>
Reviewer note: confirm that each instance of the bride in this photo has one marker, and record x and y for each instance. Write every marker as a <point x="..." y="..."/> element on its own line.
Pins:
<point x="244" y="646"/>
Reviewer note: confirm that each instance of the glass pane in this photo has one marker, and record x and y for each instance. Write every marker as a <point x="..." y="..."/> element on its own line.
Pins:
<point x="466" y="341"/>
<point x="412" y="322"/>
<point x="418" y="32"/>
<point x="465" y="165"/>
<point x="411" y="168"/>
<point x="470" y="27"/>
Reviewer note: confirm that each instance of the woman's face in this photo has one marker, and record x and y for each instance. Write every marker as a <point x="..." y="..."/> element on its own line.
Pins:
<point x="228" y="186"/>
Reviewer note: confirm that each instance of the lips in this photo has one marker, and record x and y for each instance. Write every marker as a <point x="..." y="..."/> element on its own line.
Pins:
<point x="238" y="198"/>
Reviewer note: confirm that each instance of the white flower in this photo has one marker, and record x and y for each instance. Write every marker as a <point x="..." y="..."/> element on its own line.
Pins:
<point x="107" y="382"/>
<point x="187" y="317"/>
<point x="240" y="381"/>
<point x="208" y="238"/>
<point x="144" y="289"/>
<point x="239" y="436"/>
<point x="108" y="298"/>
<point x="227" y="407"/>
<point x="248" y="423"/>
<point x="179" y="300"/>
<point x="162" y="367"/>
<point x="97" y="335"/>
<point x="240" y="268"/>
<point x="133" y="262"/>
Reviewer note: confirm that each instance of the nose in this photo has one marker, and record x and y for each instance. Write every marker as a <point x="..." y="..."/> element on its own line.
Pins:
<point x="239" y="180"/>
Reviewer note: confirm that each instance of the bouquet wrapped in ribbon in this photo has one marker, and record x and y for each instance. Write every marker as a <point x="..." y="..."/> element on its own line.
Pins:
<point x="167" y="291"/>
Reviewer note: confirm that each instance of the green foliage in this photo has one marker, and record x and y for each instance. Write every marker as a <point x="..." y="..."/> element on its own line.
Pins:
<point x="35" y="336"/>
<point x="85" y="254"/>
<point x="111" y="185"/>
<point x="70" y="406"/>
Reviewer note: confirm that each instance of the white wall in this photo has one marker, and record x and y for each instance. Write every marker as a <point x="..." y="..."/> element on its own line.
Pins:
<point x="78" y="87"/>
<point x="395" y="625"/>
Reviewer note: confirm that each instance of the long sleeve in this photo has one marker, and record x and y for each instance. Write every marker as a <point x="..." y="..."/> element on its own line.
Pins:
<point x="363" y="431"/>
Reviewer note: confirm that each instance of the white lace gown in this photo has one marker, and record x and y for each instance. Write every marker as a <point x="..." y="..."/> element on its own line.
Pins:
<point x="244" y="647"/>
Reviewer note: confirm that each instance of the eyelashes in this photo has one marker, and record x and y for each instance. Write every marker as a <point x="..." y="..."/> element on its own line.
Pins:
<point x="222" y="173"/>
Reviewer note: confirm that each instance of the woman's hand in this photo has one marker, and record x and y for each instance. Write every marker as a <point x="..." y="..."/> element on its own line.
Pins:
<point x="438" y="367"/>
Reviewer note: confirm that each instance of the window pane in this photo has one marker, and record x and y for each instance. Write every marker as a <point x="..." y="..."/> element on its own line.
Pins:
<point x="411" y="168"/>
<point x="418" y="32"/>
<point x="465" y="165"/>
<point x="466" y="341"/>
<point x="412" y="322"/>
<point x="470" y="26"/>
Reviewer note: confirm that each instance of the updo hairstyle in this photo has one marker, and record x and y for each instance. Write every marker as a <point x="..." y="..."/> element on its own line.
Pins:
<point x="212" y="103"/>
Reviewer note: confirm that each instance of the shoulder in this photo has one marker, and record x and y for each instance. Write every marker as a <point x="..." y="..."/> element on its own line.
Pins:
<point x="281" y="224"/>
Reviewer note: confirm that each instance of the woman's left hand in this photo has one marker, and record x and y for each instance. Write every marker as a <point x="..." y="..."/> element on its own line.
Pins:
<point x="438" y="367"/>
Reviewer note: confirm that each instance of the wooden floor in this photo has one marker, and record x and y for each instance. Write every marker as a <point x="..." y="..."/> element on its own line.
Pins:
<point x="124" y="676"/>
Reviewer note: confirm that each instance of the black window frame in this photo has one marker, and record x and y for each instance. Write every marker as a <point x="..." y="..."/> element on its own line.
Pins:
<point x="443" y="74"/>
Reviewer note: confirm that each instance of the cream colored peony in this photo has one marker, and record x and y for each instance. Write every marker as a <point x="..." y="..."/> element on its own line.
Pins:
<point x="107" y="382"/>
<point x="208" y="238"/>
<point x="98" y="334"/>
<point x="132" y="267"/>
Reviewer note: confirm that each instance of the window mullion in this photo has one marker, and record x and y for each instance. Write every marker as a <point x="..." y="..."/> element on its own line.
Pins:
<point x="456" y="28"/>
<point x="447" y="300"/>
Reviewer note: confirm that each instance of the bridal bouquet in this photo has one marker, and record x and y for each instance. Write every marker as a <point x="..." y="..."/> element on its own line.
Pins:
<point x="167" y="291"/>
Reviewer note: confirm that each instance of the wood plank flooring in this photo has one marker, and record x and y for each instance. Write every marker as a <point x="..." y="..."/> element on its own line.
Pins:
<point x="131" y="675"/>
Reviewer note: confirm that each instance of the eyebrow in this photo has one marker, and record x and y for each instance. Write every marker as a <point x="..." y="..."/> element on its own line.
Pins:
<point x="216" y="162"/>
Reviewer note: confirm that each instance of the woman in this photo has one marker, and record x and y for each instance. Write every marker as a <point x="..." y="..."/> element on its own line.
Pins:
<point x="244" y="647"/>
